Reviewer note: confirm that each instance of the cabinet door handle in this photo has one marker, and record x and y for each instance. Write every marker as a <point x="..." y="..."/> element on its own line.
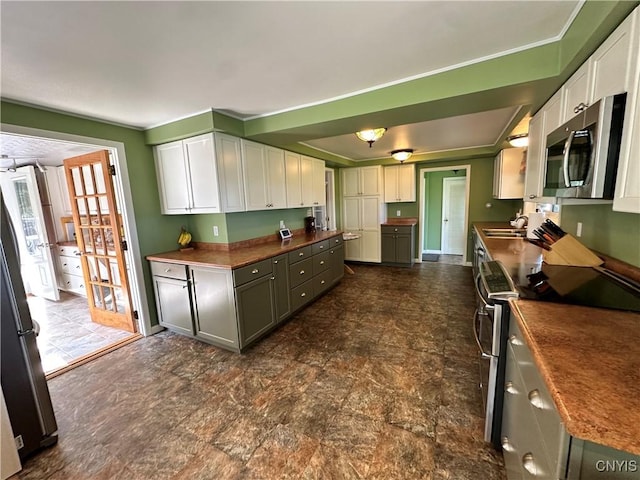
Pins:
<point x="275" y="261"/>
<point x="303" y="294"/>
<point x="529" y="464"/>
<point x="536" y="399"/>
<point x="510" y="388"/>
<point x="322" y="282"/>
<point x="273" y="278"/>
<point x="301" y="272"/>
<point x="532" y="196"/>
<point x="514" y="340"/>
<point x="254" y="271"/>
<point x="321" y="262"/>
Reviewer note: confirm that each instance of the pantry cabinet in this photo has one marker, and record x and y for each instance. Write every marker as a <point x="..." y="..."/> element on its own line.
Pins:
<point x="400" y="183"/>
<point x="187" y="176"/>
<point x="362" y="216"/>
<point x="264" y="176"/>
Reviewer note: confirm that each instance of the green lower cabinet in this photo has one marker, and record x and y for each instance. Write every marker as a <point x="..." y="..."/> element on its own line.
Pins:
<point x="336" y="263"/>
<point x="281" y="287"/>
<point x="397" y="245"/>
<point x="213" y="301"/>
<point x="256" y="308"/>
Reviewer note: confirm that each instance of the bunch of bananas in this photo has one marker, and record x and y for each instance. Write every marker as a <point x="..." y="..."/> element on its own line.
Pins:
<point x="185" y="237"/>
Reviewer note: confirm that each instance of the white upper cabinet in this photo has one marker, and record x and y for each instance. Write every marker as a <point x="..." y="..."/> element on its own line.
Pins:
<point x="400" y="183"/>
<point x="553" y="113"/>
<point x="187" y="176"/>
<point x="359" y="181"/>
<point x="534" y="175"/>
<point x="264" y="176"/>
<point x="229" y="162"/>
<point x="508" y="173"/>
<point x="305" y="180"/>
<point x="627" y="193"/>
<point x="577" y="92"/>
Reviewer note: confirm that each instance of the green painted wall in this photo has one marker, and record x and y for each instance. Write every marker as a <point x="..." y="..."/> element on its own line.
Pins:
<point x="432" y="229"/>
<point x="246" y="225"/>
<point x="614" y="233"/>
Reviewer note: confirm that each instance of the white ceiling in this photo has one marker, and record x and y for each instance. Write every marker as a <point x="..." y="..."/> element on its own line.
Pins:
<point x="144" y="63"/>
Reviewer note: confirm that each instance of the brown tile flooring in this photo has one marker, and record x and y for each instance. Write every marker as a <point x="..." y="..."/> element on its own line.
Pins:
<point x="67" y="332"/>
<point x="377" y="380"/>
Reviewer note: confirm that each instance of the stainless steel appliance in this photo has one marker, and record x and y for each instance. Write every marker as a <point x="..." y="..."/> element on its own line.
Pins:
<point x="490" y="327"/>
<point x="23" y="381"/>
<point x="582" y="154"/>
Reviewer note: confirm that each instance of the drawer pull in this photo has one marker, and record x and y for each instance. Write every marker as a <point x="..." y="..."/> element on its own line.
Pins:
<point x="321" y="262"/>
<point x="395" y="229"/>
<point x="77" y="266"/>
<point x="303" y="294"/>
<point x="506" y="444"/>
<point x="509" y="387"/>
<point x="536" y="399"/>
<point x="301" y="272"/>
<point x="514" y="340"/>
<point x="338" y="240"/>
<point x="322" y="282"/>
<point x="321" y="247"/>
<point x="529" y="464"/>
<point x="301" y="254"/>
<point x="167" y="270"/>
<point x="254" y="271"/>
<point x="275" y="261"/>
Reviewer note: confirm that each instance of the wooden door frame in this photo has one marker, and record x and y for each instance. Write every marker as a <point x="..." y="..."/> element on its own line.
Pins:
<point x="448" y="180"/>
<point x="423" y="213"/>
<point x="139" y="297"/>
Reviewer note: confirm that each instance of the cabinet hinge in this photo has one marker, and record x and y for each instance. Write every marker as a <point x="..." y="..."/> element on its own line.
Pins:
<point x="112" y="170"/>
<point x="124" y="245"/>
<point x="135" y="314"/>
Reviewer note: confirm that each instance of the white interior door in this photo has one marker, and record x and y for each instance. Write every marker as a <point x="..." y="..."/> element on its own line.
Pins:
<point x="20" y="192"/>
<point x="453" y="215"/>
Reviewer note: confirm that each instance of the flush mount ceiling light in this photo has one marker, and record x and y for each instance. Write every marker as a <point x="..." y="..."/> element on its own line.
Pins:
<point x="520" y="140"/>
<point x="371" y="135"/>
<point x="402" y="155"/>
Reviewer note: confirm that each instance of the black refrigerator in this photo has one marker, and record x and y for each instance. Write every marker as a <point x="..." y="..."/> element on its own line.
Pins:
<point x="23" y="381"/>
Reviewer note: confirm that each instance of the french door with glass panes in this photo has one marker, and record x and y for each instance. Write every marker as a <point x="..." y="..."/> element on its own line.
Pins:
<point x="99" y="234"/>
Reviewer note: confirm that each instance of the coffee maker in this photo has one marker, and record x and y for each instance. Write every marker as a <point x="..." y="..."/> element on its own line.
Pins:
<point x="310" y="224"/>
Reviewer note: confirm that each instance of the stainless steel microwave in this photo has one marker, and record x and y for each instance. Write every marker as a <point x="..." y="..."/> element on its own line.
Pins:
<point x="582" y="155"/>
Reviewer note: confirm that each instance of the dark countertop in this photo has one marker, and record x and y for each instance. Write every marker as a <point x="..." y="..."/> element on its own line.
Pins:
<point x="242" y="256"/>
<point x="401" y="221"/>
<point x="588" y="357"/>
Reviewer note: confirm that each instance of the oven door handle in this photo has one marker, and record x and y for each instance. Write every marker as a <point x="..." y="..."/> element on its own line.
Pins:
<point x="565" y="159"/>
<point x="476" y="329"/>
<point x="484" y="302"/>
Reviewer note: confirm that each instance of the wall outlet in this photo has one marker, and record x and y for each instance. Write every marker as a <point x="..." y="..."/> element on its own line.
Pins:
<point x="579" y="229"/>
<point x="398" y="213"/>
<point x="216" y="232"/>
<point x="19" y="442"/>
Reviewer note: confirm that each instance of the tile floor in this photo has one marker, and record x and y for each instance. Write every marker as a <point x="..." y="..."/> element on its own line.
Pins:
<point x="67" y="332"/>
<point x="377" y="379"/>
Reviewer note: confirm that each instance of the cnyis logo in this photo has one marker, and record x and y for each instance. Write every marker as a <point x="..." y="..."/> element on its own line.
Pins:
<point x="629" y="466"/>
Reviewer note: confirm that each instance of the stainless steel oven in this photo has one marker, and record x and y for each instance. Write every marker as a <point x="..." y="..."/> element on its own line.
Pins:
<point x="494" y="288"/>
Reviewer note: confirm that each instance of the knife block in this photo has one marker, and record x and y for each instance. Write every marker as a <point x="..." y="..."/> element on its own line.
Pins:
<point x="569" y="251"/>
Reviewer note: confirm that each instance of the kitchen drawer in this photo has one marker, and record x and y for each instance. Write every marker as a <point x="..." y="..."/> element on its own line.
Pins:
<point x="71" y="265"/>
<point x="319" y="247"/>
<point x="335" y="241"/>
<point x="301" y="295"/>
<point x="321" y="262"/>
<point x="401" y="229"/>
<point x="321" y="282"/>
<point x="67" y="251"/>
<point x="300" y="254"/>
<point x="169" y="270"/>
<point x="300" y="272"/>
<point x="74" y="283"/>
<point x="251" y="272"/>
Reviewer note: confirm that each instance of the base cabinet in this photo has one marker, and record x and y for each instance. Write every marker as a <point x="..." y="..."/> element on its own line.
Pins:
<point x="398" y="245"/>
<point x="234" y="308"/>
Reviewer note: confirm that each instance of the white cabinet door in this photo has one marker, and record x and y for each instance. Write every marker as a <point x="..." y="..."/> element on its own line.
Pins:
<point x="318" y="188"/>
<point x="255" y="176"/>
<point x="370" y="213"/>
<point x="229" y="163"/>
<point x="361" y="215"/>
<point x="276" y="177"/>
<point x="508" y="180"/>
<point x="553" y="113"/>
<point x="64" y="191"/>
<point x="351" y="182"/>
<point x="371" y="180"/>
<point x="399" y="183"/>
<point x="577" y="92"/>
<point x="173" y="178"/>
<point x="293" y="177"/>
<point x="370" y="246"/>
<point x="351" y="215"/>
<point x="306" y="176"/>
<point x="203" y="175"/>
<point x="613" y="61"/>
<point x="535" y="158"/>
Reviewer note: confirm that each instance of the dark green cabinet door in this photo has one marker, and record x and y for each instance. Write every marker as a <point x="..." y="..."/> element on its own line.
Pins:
<point x="281" y="287"/>
<point x="256" y="308"/>
<point x="388" y="248"/>
<point x="336" y="260"/>
<point x="404" y="249"/>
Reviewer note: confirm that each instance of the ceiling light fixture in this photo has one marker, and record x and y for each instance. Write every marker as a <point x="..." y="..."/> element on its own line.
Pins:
<point x="519" y="140"/>
<point x="371" y="135"/>
<point x="402" y="154"/>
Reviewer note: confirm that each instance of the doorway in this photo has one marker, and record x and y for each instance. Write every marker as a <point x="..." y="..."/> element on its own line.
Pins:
<point x="444" y="214"/>
<point x="75" y="307"/>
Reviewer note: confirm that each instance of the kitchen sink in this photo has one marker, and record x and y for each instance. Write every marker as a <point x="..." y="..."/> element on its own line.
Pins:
<point x="505" y="232"/>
